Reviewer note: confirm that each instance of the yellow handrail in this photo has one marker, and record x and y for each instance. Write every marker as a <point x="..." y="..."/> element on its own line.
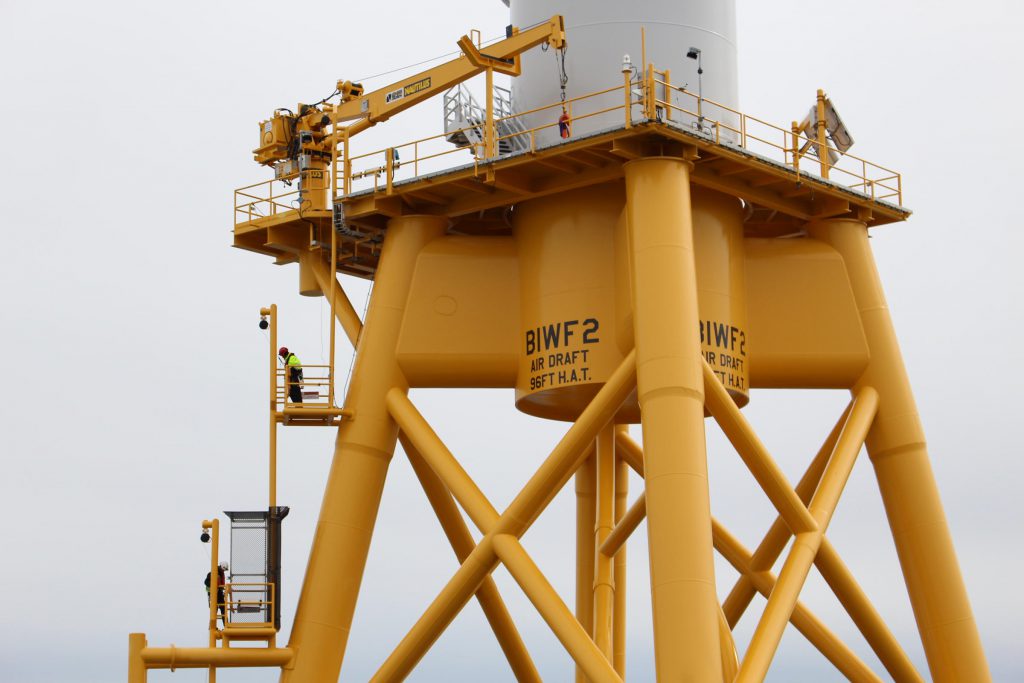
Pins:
<point x="718" y="122"/>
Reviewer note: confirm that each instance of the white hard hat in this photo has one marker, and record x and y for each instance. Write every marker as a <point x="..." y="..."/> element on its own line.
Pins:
<point x="224" y="566"/>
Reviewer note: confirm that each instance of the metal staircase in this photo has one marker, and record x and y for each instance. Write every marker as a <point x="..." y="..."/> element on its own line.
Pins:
<point x="464" y="121"/>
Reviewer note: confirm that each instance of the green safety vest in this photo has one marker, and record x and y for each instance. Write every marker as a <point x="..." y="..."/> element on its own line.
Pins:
<point x="293" y="361"/>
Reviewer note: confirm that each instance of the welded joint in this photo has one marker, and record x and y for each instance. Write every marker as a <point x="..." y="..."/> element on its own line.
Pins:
<point x="625" y="528"/>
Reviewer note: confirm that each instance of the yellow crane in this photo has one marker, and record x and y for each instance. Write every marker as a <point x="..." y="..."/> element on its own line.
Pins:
<point x="301" y="143"/>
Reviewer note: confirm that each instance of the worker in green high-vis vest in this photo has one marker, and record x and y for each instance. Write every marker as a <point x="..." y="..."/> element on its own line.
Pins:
<point x="294" y="366"/>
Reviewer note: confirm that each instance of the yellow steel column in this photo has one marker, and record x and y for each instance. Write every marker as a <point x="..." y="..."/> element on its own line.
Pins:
<point x="586" y="490"/>
<point x="670" y="388"/>
<point x="363" y="450"/>
<point x="604" y="590"/>
<point x="272" y="314"/>
<point x="136" y="667"/>
<point x="822" y="134"/>
<point x="898" y="451"/>
<point x="619" y="572"/>
<point x="214" y="527"/>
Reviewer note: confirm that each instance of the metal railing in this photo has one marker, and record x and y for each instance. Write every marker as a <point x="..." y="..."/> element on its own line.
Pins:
<point x="316" y="387"/>
<point x="266" y="198"/>
<point x="649" y="96"/>
<point x="248" y="604"/>
<point x="278" y="195"/>
<point x="713" y="118"/>
<point x="658" y="100"/>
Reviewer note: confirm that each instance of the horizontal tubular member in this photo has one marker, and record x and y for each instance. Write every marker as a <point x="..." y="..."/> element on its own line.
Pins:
<point x="202" y="657"/>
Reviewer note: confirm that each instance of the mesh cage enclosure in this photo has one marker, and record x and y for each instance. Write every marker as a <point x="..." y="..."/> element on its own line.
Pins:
<point x="250" y="596"/>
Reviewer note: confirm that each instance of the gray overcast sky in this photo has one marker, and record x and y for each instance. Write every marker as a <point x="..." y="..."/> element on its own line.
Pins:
<point x="135" y="372"/>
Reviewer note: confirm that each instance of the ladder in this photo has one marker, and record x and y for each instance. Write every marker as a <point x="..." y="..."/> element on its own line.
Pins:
<point x="464" y="121"/>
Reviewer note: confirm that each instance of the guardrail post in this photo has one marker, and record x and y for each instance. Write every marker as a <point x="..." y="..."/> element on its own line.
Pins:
<point x="667" y="73"/>
<point x="347" y="166"/>
<point x="629" y="98"/>
<point x="389" y="169"/>
<point x="795" y="128"/>
<point x="822" y="136"/>
<point x="489" y="119"/>
<point x="650" y="97"/>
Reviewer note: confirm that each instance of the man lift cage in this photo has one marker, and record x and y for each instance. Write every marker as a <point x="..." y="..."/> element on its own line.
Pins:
<point x="255" y="586"/>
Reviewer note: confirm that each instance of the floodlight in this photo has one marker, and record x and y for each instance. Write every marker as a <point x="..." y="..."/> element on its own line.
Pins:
<point x="837" y="130"/>
<point x="693" y="53"/>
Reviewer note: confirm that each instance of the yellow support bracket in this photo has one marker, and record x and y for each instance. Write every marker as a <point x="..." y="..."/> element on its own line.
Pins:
<point x="510" y="67"/>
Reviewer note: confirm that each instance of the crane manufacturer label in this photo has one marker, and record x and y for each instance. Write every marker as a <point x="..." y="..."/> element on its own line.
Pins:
<point x="411" y="89"/>
<point x="416" y="87"/>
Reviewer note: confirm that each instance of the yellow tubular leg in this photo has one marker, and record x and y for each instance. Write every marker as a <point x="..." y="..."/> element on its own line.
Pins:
<point x="136" y="667"/>
<point x="899" y="454"/>
<point x="730" y="658"/>
<point x="619" y="574"/>
<point x="586" y="510"/>
<point x="363" y="450"/>
<point x="671" y="395"/>
<point x="604" y="590"/>
<point x="462" y="543"/>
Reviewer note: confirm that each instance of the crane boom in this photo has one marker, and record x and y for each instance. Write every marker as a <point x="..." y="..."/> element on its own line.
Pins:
<point x="503" y="57"/>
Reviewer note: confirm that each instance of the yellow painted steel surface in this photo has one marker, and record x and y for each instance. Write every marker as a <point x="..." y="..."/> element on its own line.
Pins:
<point x="670" y="388"/>
<point x="722" y="290"/>
<point x="571" y="275"/>
<point x="645" y="274"/>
